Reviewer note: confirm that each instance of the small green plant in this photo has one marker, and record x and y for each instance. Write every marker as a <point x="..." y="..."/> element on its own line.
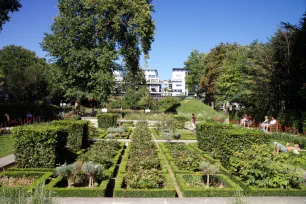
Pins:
<point x="65" y="171"/>
<point x="208" y="169"/>
<point x="110" y="136"/>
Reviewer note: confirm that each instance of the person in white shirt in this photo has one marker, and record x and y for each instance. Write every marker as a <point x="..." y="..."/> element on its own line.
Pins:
<point x="273" y="121"/>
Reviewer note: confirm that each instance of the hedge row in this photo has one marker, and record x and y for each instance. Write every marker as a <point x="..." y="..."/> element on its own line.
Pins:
<point x="223" y="139"/>
<point x="85" y="191"/>
<point x="47" y="145"/>
<point x="41" y="178"/>
<point x="179" y="122"/>
<point x="78" y="133"/>
<point x="107" y="120"/>
<point x="76" y="191"/>
<point x="230" y="189"/>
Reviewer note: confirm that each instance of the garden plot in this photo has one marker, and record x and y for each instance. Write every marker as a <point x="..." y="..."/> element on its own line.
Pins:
<point x="142" y="172"/>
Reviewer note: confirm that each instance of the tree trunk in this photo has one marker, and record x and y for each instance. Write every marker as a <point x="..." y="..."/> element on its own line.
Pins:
<point x="207" y="181"/>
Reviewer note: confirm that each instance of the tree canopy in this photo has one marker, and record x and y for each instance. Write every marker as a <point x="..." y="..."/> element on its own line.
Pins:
<point x="87" y="39"/>
<point x="7" y="6"/>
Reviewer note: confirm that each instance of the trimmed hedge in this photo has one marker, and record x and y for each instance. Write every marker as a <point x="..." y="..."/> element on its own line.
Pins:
<point x="41" y="178"/>
<point x="77" y="191"/>
<point x="40" y="146"/>
<point x="78" y="133"/>
<point x="223" y="139"/>
<point x="107" y="120"/>
<point x="32" y="169"/>
<point x="207" y="192"/>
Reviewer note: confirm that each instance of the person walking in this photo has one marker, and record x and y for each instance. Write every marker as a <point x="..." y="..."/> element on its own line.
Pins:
<point x="193" y="120"/>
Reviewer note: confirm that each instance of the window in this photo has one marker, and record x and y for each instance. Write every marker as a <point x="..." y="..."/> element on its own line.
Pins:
<point x="152" y="76"/>
<point x="179" y="85"/>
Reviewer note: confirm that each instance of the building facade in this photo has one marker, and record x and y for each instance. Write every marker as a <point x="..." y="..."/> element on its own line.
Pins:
<point x="178" y="82"/>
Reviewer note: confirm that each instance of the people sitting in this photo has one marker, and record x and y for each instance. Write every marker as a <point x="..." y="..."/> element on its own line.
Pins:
<point x="272" y="123"/>
<point x="281" y="148"/>
<point x="265" y="124"/>
<point x="244" y="121"/>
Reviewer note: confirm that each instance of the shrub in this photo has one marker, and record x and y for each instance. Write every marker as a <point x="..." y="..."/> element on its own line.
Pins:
<point x="40" y="146"/>
<point x="101" y="152"/>
<point x="223" y="140"/>
<point x="115" y="130"/>
<point x="179" y="122"/>
<point x="78" y="133"/>
<point x="169" y="104"/>
<point x="177" y="135"/>
<point x="77" y="117"/>
<point x="107" y="120"/>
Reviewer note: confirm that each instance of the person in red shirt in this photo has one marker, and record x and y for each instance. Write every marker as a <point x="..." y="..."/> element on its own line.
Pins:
<point x="193" y="120"/>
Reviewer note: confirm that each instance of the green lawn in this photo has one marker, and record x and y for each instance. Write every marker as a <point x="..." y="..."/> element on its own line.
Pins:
<point x="201" y="110"/>
<point x="6" y="145"/>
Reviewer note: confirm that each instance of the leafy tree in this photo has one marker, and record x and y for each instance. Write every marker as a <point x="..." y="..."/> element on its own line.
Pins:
<point x="7" y="6"/>
<point x="213" y="69"/>
<point x="194" y="65"/>
<point x="208" y="169"/>
<point x="23" y="73"/>
<point x="89" y="36"/>
<point x="147" y="101"/>
<point x="132" y="97"/>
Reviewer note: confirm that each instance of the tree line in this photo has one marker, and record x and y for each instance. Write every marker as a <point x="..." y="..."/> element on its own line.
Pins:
<point x="265" y="78"/>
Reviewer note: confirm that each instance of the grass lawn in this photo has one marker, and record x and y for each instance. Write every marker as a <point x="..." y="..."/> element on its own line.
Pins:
<point x="201" y="110"/>
<point x="6" y="145"/>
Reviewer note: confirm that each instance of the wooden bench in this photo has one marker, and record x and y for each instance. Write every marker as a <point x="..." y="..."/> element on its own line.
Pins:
<point x="275" y="128"/>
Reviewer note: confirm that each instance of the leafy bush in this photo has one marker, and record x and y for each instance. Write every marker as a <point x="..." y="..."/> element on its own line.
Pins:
<point x="223" y="140"/>
<point x="179" y="122"/>
<point x="169" y="104"/>
<point x="78" y="133"/>
<point x="40" y="146"/>
<point x="77" y="117"/>
<point x="101" y="152"/>
<point x="107" y="120"/>
<point x="115" y="130"/>
<point x="258" y="167"/>
<point x="177" y="135"/>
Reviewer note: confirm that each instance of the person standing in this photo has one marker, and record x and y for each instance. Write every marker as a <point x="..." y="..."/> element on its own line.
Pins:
<point x="193" y="120"/>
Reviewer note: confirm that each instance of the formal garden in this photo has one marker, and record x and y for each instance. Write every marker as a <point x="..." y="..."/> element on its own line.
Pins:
<point x="71" y="158"/>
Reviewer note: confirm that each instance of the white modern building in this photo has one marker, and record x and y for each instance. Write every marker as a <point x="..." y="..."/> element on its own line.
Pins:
<point x="153" y="81"/>
<point x="174" y="87"/>
<point x="178" y="82"/>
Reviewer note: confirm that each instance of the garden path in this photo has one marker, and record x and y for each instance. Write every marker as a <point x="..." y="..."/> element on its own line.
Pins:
<point x="7" y="160"/>
<point x="206" y="200"/>
<point x="157" y="141"/>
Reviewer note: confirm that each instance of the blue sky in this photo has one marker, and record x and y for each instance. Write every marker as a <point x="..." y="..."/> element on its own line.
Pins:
<point x="181" y="26"/>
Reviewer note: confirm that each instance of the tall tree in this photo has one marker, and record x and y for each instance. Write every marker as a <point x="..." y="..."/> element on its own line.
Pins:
<point x="24" y="74"/>
<point x="7" y="6"/>
<point x="194" y="65"/>
<point x="213" y="69"/>
<point x="89" y="36"/>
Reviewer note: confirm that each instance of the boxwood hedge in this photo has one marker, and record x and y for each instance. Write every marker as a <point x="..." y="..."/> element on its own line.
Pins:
<point x="223" y="139"/>
<point x="107" y="120"/>
<point x="78" y="133"/>
<point x="40" y="146"/>
<point x="207" y="192"/>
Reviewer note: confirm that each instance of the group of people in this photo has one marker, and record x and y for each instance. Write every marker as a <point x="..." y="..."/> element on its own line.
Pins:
<point x="246" y="121"/>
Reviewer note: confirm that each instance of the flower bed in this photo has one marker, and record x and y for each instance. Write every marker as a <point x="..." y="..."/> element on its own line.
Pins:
<point x="102" y="152"/>
<point x="26" y="180"/>
<point x="193" y="185"/>
<point x="142" y="172"/>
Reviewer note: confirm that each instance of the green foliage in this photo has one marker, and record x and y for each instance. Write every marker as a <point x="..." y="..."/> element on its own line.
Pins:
<point x="179" y="122"/>
<point x="95" y="42"/>
<point x="177" y="135"/>
<point x="78" y="133"/>
<point x="6" y="7"/>
<point x="194" y="65"/>
<point x="40" y="146"/>
<point x="169" y="104"/>
<point x="107" y="120"/>
<point x="24" y="74"/>
<point x="258" y="167"/>
<point x="223" y="140"/>
<point x="101" y="152"/>
<point x="229" y="187"/>
<point x="138" y="99"/>
<point x="6" y="145"/>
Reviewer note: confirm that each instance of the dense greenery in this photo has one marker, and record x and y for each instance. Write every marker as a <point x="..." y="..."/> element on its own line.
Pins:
<point x="78" y="133"/>
<point x="101" y="152"/>
<point x="86" y="39"/>
<point x="258" y="167"/>
<point x="265" y="78"/>
<point x="107" y="120"/>
<point x="23" y="75"/>
<point x="223" y="140"/>
<point x="6" y="145"/>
